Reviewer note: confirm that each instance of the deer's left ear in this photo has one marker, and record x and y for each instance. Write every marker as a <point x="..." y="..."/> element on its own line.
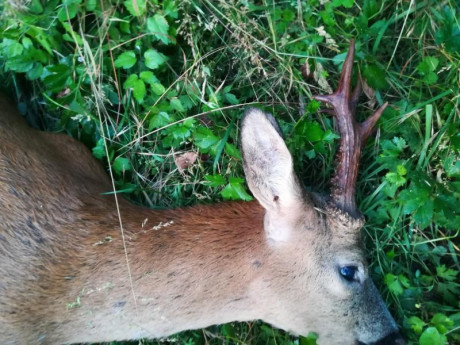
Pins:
<point x="270" y="173"/>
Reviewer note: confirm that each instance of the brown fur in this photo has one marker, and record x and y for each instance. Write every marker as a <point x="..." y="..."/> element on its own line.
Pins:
<point x="64" y="274"/>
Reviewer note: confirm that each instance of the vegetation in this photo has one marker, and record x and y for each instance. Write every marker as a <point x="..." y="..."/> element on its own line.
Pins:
<point x="156" y="89"/>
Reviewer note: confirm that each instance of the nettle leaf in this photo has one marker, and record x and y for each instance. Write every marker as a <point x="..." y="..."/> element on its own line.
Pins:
<point x="68" y="10"/>
<point x="99" y="150"/>
<point x="176" y="104"/>
<point x="149" y="77"/>
<point x="344" y="3"/>
<point x="427" y="69"/>
<point x="431" y="336"/>
<point x="446" y="273"/>
<point x="181" y="132"/>
<point x="232" y="150"/>
<point x="159" y="26"/>
<point x="442" y="323"/>
<point x="204" y="138"/>
<point x="375" y="76"/>
<point x="235" y="190"/>
<point x="153" y="81"/>
<point x="11" y="48"/>
<point x="154" y="59"/>
<point x="424" y="214"/>
<point x="215" y="180"/>
<point x="160" y="120"/>
<point x="158" y="89"/>
<point x="126" y="60"/>
<point x="430" y="78"/>
<point x="452" y="168"/>
<point x="393" y="284"/>
<point x="231" y="98"/>
<point x="121" y="164"/>
<point x="57" y="79"/>
<point x="137" y="86"/>
<point x="428" y="64"/>
<point x="309" y="130"/>
<point x="416" y="324"/>
<point x="395" y="178"/>
<point x="170" y="8"/>
<point x="35" y="72"/>
<point x="449" y="32"/>
<point x="135" y="7"/>
<point x="90" y="5"/>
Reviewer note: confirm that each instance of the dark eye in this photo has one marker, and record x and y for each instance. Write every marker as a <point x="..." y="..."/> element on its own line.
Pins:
<point x="348" y="272"/>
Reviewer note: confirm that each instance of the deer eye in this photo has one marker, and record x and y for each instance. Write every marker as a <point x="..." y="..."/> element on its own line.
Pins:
<point x="348" y="273"/>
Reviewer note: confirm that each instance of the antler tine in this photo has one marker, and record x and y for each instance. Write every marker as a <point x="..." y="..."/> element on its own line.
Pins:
<point x="352" y="136"/>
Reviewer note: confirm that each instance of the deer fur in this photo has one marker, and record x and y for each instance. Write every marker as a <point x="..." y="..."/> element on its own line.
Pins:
<point x="64" y="273"/>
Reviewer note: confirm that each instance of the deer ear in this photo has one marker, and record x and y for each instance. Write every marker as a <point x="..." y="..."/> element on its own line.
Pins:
<point x="270" y="174"/>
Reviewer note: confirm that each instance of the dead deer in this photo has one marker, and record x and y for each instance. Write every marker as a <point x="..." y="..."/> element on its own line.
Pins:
<point x="69" y="275"/>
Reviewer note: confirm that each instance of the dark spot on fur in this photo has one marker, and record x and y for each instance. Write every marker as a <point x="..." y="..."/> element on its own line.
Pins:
<point x="276" y="198"/>
<point x="13" y="191"/>
<point x="178" y="296"/>
<point x="36" y="232"/>
<point x="257" y="264"/>
<point x="119" y="304"/>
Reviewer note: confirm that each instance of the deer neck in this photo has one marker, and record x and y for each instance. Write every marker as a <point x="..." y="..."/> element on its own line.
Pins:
<point x="188" y="268"/>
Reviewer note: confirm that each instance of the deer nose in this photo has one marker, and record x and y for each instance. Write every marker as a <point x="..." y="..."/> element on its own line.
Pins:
<point x="391" y="339"/>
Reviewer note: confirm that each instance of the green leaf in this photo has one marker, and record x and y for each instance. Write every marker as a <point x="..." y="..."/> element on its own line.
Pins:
<point x="204" y="138"/>
<point x="424" y="214"/>
<point x="137" y="85"/>
<point x="393" y="284"/>
<point x="11" y="48"/>
<point x="159" y="26"/>
<point x="149" y="77"/>
<point x="99" y="150"/>
<point x="448" y="33"/>
<point x="68" y="10"/>
<point x="126" y="60"/>
<point x="35" y="72"/>
<point x="160" y="120"/>
<point x="442" y="323"/>
<point x="416" y="324"/>
<point x="58" y="77"/>
<point x="181" y="132"/>
<point x="121" y="164"/>
<point x="344" y="3"/>
<point x="90" y="5"/>
<point x="235" y="190"/>
<point x="401" y="169"/>
<point x="428" y="64"/>
<point x="232" y="150"/>
<point x="176" y="105"/>
<point x="135" y="7"/>
<point x="431" y="336"/>
<point x="310" y="339"/>
<point x="215" y="180"/>
<point x="446" y="273"/>
<point x="154" y="59"/>
<point x="395" y="179"/>
<point x="231" y="98"/>
<point x="375" y="76"/>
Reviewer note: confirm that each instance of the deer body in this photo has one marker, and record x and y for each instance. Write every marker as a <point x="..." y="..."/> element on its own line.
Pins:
<point x="284" y="258"/>
<point x="64" y="272"/>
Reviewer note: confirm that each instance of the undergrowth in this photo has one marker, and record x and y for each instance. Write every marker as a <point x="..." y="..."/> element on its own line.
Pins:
<point x="163" y="84"/>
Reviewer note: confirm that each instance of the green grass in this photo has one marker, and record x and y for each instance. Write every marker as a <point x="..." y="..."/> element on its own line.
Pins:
<point x="141" y="86"/>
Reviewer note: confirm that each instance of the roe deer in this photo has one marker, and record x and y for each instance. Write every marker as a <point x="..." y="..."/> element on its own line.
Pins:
<point x="290" y="259"/>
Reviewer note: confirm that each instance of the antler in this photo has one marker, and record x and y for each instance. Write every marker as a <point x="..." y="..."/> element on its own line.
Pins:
<point x="353" y="135"/>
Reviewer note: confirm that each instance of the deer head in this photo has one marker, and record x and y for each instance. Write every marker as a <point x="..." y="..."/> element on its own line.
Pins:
<point x="320" y="277"/>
